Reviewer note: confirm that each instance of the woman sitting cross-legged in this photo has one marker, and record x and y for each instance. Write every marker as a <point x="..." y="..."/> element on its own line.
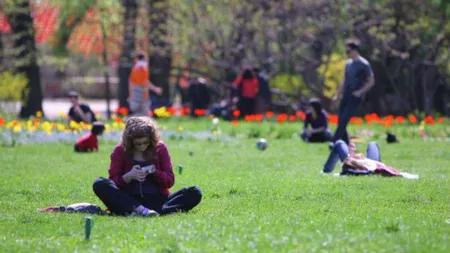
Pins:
<point x="318" y="119"/>
<point x="141" y="174"/>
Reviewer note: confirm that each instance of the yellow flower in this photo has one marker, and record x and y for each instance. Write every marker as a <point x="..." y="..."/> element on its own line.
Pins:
<point x="180" y="128"/>
<point x="17" y="129"/>
<point x="162" y="112"/>
<point x="60" y="127"/>
<point x="46" y="126"/>
<point x="32" y="129"/>
<point x="74" y="125"/>
<point x="107" y="128"/>
<point x="38" y="114"/>
<point x="12" y="124"/>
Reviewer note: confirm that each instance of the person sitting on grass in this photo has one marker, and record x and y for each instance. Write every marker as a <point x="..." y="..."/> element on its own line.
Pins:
<point x="357" y="164"/>
<point x="89" y="142"/>
<point x="79" y="112"/>
<point x="318" y="119"/>
<point x="140" y="175"/>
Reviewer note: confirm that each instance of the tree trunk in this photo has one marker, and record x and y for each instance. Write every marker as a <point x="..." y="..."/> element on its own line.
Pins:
<point x="128" y="48"/>
<point x="21" y="23"/>
<point x="160" y="60"/>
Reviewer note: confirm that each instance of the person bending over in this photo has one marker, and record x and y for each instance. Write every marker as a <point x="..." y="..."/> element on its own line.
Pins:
<point x="140" y="175"/>
<point x="89" y="142"/>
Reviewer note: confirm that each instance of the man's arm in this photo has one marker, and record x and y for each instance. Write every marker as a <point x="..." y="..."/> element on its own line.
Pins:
<point x="367" y="86"/>
<point x="86" y="116"/>
<point x="154" y="88"/>
<point x="338" y="92"/>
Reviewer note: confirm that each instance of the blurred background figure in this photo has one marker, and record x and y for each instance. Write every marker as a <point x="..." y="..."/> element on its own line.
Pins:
<point x="89" y="142"/>
<point x="264" y="98"/>
<point x="247" y="87"/>
<point x="139" y="86"/>
<point x="318" y="119"/>
<point x="79" y="112"/>
<point x="199" y="95"/>
<point x="183" y="88"/>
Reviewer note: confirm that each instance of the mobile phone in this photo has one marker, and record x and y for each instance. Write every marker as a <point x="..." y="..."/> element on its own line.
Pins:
<point x="149" y="168"/>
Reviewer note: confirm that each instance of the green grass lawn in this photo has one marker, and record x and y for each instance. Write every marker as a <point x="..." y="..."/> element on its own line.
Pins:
<point x="271" y="201"/>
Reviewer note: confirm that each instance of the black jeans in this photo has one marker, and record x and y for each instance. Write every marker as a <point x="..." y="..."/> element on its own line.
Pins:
<point x="120" y="202"/>
<point x="317" y="137"/>
<point x="347" y="109"/>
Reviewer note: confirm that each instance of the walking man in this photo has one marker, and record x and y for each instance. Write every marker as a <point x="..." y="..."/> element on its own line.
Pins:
<point x="138" y="86"/>
<point x="358" y="80"/>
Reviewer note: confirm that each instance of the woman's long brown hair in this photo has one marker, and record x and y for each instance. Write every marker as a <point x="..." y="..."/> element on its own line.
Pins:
<point x="139" y="127"/>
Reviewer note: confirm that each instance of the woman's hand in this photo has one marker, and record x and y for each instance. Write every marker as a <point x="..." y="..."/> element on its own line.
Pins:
<point x="135" y="174"/>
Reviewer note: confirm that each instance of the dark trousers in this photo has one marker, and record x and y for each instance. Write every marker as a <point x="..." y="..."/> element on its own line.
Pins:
<point x="120" y="202"/>
<point x="318" y="137"/>
<point x="347" y="109"/>
<point x="247" y="106"/>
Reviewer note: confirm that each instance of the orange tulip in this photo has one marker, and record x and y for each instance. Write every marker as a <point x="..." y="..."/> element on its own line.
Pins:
<point x="429" y="120"/>
<point x="234" y="122"/>
<point x="2" y="121"/>
<point x="281" y="118"/>
<point x="259" y="117"/>
<point x="440" y="119"/>
<point x="236" y="113"/>
<point x="36" y="121"/>
<point x="185" y="111"/>
<point x="333" y="119"/>
<point x="200" y="112"/>
<point x="356" y="120"/>
<point x="269" y="114"/>
<point x="400" y="119"/>
<point x="172" y="111"/>
<point x="292" y="117"/>
<point x="301" y="115"/>
<point x="122" y="110"/>
<point x="412" y="119"/>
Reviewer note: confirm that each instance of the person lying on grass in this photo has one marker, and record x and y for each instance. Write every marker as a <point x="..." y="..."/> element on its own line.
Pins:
<point x="358" y="164"/>
<point x="140" y="175"/>
<point x="89" y="142"/>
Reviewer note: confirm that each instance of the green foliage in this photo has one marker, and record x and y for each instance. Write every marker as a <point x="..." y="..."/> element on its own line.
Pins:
<point x="12" y="86"/>
<point x="332" y="70"/>
<point x="289" y="83"/>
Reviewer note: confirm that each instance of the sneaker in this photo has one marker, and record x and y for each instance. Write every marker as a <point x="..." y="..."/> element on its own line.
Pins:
<point x="145" y="213"/>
